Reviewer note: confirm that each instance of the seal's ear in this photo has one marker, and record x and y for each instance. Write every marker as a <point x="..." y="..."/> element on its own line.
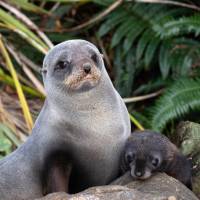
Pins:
<point x="43" y="71"/>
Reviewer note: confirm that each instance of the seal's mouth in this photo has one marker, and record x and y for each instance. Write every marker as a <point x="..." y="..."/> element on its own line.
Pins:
<point x="88" y="78"/>
<point x="83" y="81"/>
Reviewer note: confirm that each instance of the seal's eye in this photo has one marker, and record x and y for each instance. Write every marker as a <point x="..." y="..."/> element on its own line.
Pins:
<point x="155" y="162"/>
<point x="129" y="157"/>
<point x="94" y="57"/>
<point x="61" y="65"/>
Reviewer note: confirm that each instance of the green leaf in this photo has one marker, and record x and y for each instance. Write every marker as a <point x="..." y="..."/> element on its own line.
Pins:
<point x="5" y="145"/>
<point x="9" y="134"/>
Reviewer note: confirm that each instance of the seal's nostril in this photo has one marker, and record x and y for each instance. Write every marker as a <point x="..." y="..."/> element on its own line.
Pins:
<point x="87" y="67"/>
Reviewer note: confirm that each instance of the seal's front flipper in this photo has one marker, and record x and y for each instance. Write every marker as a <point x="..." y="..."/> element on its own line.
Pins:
<point x="57" y="174"/>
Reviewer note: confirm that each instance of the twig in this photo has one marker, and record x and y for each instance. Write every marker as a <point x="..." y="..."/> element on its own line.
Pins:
<point x="97" y="18"/>
<point x="105" y="55"/>
<point x="141" y="98"/>
<point x="185" y="5"/>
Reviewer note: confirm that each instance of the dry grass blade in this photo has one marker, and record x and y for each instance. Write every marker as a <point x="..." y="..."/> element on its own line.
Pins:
<point x="29" y="90"/>
<point x="28" y="22"/>
<point x="137" y="124"/>
<point x="21" y="78"/>
<point x="6" y="119"/>
<point x="26" y="5"/>
<point x="27" y="71"/>
<point x="13" y="114"/>
<point x="15" y="25"/>
<point x="20" y="93"/>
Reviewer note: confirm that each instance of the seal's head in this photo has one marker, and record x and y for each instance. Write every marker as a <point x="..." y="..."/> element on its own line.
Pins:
<point x="72" y="66"/>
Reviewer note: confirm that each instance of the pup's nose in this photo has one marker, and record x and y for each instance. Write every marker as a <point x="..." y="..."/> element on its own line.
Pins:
<point x="87" y="68"/>
<point x="138" y="174"/>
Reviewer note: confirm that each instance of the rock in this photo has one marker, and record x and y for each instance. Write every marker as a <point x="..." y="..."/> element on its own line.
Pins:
<point x="158" y="187"/>
<point x="101" y="193"/>
<point x="189" y="136"/>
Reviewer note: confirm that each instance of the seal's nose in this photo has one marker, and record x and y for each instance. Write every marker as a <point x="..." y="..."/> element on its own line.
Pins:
<point x="87" y="68"/>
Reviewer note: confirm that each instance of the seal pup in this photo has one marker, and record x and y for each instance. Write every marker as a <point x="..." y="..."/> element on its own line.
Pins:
<point x="147" y="152"/>
<point x="84" y="119"/>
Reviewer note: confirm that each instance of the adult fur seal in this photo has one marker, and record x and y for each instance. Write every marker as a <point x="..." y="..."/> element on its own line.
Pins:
<point x="83" y="120"/>
<point x="147" y="152"/>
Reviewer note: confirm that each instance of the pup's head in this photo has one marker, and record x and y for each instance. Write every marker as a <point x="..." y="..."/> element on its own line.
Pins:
<point x="143" y="155"/>
<point x="142" y="164"/>
<point x="72" y="66"/>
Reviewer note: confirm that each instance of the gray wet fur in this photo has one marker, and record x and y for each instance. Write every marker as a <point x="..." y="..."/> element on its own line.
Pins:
<point x="92" y="125"/>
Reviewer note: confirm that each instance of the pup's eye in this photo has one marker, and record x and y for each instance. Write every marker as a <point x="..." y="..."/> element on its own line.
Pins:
<point x="129" y="157"/>
<point x="62" y="65"/>
<point x="94" y="57"/>
<point x="155" y="162"/>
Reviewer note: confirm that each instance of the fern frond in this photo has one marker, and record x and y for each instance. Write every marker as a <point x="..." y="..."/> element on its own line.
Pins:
<point x="125" y="67"/>
<point x="180" y="99"/>
<point x="136" y="30"/>
<point x="181" y="26"/>
<point x="164" y="57"/>
<point x="114" y="19"/>
<point x="121" y="32"/>
<point x="142" y="43"/>
<point x="150" y="50"/>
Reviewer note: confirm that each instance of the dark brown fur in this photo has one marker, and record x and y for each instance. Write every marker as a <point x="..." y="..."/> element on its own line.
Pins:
<point x="147" y="152"/>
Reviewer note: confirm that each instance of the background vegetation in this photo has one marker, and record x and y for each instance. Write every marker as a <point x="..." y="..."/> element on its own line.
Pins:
<point x="151" y="50"/>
